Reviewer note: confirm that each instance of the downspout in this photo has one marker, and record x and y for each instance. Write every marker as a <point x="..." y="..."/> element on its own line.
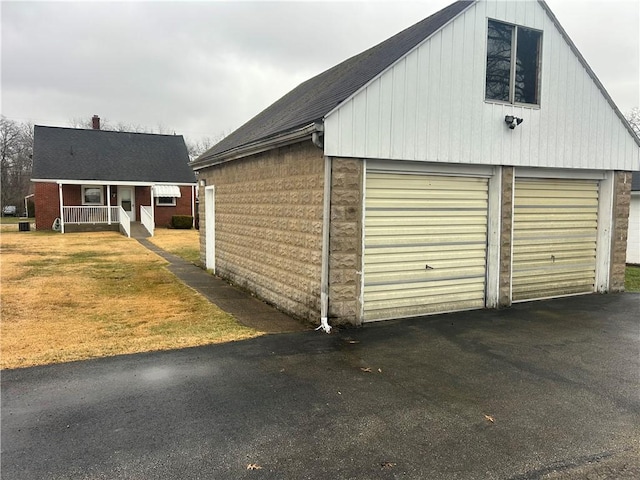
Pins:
<point x="317" y="140"/>
<point x="193" y="206"/>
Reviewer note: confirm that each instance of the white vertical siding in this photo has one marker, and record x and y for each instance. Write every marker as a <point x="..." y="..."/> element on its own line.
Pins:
<point x="430" y="106"/>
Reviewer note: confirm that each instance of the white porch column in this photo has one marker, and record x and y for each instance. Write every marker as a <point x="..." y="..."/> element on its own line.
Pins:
<point x="61" y="208"/>
<point x="108" y="204"/>
<point x="153" y="209"/>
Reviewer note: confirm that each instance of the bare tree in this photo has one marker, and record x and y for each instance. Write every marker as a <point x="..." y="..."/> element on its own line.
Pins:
<point x="80" y="122"/>
<point x="634" y="120"/>
<point x="198" y="147"/>
<point x="16" y="152"/>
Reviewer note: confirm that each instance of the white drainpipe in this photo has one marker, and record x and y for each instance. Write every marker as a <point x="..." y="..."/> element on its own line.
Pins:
<point x="326" y="224"/>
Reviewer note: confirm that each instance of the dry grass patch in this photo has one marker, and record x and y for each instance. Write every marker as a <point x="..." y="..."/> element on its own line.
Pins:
<point x="183" y="243"/>
<point x="78" y="296"/>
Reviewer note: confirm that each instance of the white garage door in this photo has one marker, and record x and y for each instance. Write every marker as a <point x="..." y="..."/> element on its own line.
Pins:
<point x="554" y="238"/>
<point x="425" y="244"/>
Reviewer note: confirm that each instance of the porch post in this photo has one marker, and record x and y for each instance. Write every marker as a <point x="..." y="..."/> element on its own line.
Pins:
<point x="108" y="204"/>
<point x="153" y="209"/>
<point x="61" y="208"/>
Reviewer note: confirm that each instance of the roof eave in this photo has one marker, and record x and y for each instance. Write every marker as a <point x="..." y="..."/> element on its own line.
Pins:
<point x="140" y="183"/>
<point x="256" y="147"/>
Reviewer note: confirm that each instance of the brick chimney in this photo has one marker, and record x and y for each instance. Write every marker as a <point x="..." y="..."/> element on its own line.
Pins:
<point x="95" y="121"/>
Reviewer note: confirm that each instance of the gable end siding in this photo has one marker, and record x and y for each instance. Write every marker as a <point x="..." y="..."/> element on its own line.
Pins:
<point x="430" y="106"/>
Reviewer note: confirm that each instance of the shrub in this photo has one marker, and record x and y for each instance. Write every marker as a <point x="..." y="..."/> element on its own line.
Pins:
<point x="182" y="221"/>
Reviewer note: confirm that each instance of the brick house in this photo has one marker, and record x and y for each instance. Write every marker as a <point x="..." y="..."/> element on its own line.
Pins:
<point x="471" y="161"/>
<point x="92" y="179"/>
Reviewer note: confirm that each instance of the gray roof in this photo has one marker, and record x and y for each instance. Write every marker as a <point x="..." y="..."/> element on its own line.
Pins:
<point x="313" y="99"/>
<point x="101" y="155"/>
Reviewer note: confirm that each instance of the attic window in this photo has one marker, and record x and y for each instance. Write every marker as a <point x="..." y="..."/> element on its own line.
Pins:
<point x="513" y="64"/>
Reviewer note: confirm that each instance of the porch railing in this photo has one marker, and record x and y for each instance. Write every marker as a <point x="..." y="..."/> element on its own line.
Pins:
<point x="125" y="221"/>
<point x="146" y="218"/>
<point x="91" y="214"/>
<point x="94" y="215"/>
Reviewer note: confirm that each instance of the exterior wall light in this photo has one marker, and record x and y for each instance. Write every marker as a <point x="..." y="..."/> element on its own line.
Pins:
<point x="512" y="121"/>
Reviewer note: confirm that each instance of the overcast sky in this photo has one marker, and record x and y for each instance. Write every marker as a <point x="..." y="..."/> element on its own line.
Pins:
<point x="204" y="68"/>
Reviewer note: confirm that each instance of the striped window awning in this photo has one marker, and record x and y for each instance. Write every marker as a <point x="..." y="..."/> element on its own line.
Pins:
<point x="166" y="191"/>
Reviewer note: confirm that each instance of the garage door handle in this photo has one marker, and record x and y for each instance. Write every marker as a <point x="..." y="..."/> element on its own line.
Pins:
<point x="428" y="267"/>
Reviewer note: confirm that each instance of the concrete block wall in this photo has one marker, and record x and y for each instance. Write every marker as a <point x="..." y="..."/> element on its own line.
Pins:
<point x="620" y="229"/>
<point x="506" y="236"/>
<point x="345" y="241"/>
<point x="269" y="225"/>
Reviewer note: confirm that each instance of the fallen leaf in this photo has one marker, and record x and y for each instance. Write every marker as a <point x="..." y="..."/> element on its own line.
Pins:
<point x="354" y="341"/>
<point x="489" y="418"/>
<point x="365" y="369"/>
<point x="254" y="466"/>
<point x="387" y="465"/>
<point x="379" y="370"/>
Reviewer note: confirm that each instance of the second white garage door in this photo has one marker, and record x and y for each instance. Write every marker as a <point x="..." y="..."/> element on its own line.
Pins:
<point x="425" y="244"/>
<point x="555" y="232"/>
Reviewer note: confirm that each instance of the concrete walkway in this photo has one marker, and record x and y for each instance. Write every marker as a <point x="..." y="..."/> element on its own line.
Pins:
<point x="248" y="310"/>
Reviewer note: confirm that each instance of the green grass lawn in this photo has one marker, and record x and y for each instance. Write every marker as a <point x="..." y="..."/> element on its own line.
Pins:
<point x="632" y="279"/>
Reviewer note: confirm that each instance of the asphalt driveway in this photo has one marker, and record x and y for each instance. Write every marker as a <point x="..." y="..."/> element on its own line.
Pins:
<point x="541" y="390"/>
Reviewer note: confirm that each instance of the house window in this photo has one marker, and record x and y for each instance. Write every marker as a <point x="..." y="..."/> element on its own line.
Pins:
<point x="92" y="195"/>
<point x="166" y="201"/>
<point x="513" y="64"/>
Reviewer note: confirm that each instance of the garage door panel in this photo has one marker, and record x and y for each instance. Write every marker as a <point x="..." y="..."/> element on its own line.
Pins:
<point x="401" y="278"/>
<point x="432" y="251"/>
<point x="439" y="231"/>
<point x="434" y="221"/>
<point x="418" y="262"/>
<point x="554" y="237"/>
<point x="415" y="240"/>
<point x="425" y="238"/>
<point x="570" y="228"/>
<point x="416" y="204"/>
<point x="395" y="181"/>
<point x="425" y="307"/>
<point x="545" y="216"/>
<point x="562" y="272"/>
<point x="526" y="259"/>
<point x="545" y="290"/>
<point x="541" y="246"/>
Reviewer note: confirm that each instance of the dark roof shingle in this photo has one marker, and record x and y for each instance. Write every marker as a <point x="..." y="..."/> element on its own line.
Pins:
<point x="313" y="99"/>
<point x="101" y="155"/>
